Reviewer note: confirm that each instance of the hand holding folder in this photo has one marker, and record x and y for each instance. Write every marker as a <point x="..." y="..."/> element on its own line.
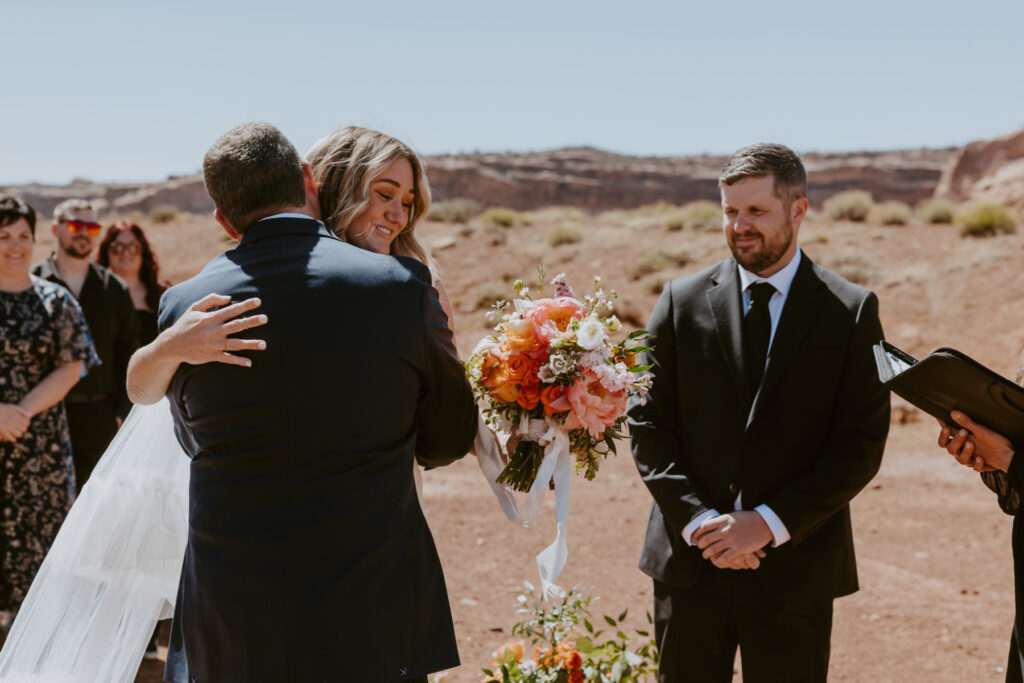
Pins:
<point x="947" y="380"/>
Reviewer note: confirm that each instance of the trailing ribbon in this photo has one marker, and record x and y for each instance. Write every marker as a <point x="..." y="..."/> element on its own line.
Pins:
<point x="488" y="457"/>
<point x="556" y="466"/>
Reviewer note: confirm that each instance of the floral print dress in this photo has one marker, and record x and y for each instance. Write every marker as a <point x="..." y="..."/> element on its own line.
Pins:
<point x="41" y="329"/>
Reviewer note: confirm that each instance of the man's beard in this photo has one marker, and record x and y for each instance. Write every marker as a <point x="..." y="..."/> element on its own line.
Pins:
<point x="75" y="248"/>
<point x="769" y="254"/>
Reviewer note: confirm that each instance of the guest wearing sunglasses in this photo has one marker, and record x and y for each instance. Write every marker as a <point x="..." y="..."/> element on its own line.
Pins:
<point x="126" y="251"/>
<point x="97" y="404"/>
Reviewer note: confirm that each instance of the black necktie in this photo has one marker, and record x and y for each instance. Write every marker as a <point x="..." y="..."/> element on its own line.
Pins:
<point x="757" y="332"/>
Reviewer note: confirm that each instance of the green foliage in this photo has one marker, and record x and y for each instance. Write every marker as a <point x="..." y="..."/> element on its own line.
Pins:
<point x="501" y="217"/>
<point x="567" y="647"/>
<point x="564" y="234"/>
<point x="891" y="213"/>
<point x="164" y="213"/>
<point x="852" y="205"/>
<point x="936" y="211"/>
<point x="454" y="211"/>
<point x="987" y="220"/>
<point x="700" y="216"/>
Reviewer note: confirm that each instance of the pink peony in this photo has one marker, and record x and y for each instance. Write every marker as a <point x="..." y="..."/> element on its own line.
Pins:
<point x="593" y="406"/>
<point x="552" y="316"/>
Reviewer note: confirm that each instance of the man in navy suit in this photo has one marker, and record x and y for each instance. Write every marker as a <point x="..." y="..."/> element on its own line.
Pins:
<point x="308" y="555"/>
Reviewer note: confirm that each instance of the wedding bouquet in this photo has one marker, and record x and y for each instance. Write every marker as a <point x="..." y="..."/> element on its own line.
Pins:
<point x="550" y="375"/>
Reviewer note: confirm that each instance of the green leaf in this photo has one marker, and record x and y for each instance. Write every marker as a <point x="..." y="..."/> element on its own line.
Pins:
<point x="643" y="634"/>
<point x="610" y="621"/>
<point x="585" y="645"/>
<point x="636" y="333"/>
<point x="622" y="617"/>
<point x="641" y="349"/>
<point x="641" y="368"/>
<point x="586" y="625"/>
<point x="622" y="636"/>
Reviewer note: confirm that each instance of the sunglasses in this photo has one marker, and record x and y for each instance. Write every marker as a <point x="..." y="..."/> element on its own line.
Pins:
<point x="121" y="248"/>
<point x="92" y="229"/>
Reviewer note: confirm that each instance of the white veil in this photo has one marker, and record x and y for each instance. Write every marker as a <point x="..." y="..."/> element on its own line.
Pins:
<point x="113" y="569"/>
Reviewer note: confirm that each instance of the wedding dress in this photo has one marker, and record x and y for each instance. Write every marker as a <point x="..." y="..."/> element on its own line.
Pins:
<point x="113" y="569"/>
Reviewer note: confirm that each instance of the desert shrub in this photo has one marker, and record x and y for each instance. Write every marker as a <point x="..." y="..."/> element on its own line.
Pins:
<point x="495" y="234"/>
<point x="820" y="237"/>
<point x="891" y="213"/>
<point x="649" y="262"/>
<point x="936" y="211"/>
<point x="987" y="220"/>
<point x="702" y="216"/>
<point x="504" y="218"/>
<point x="852" y="205"/>
<point x="564" y="234"/>
<point x="454" y="210"/>
<point x="854" y="266"/>
<point x="655" y="282"/>
<point x="163" y="214"/>
<point x="487" y="293"/>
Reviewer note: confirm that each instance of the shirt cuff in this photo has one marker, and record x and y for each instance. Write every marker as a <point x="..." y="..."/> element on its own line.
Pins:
<point x="780" y="534"/>
<point x="696" y="522"/>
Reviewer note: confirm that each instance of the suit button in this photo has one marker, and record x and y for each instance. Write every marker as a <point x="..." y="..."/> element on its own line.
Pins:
<point x="733" y="489"/>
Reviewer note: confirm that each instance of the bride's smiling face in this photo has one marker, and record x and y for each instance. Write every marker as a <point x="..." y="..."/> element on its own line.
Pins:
<point x="391" y="196"/>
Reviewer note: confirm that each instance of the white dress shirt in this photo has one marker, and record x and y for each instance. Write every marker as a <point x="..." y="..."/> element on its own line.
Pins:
<point x="782" y="281"/>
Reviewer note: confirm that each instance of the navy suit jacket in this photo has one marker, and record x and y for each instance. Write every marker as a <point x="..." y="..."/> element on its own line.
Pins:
<point x="308" y="556"/>
<point x="809" y="439"/>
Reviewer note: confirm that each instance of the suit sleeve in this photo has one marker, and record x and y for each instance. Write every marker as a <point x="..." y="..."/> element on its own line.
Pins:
<point x="125" y="344"/>
<point x="853" y="452"/>
<point x="446" y="420"/>
<point x="652" y="427"/>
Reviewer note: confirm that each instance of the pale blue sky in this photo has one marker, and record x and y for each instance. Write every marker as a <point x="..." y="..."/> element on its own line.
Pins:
<point x="135" y="90"/>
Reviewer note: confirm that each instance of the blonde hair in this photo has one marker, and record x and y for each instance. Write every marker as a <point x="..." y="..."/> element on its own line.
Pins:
<point x="344" y="165"/>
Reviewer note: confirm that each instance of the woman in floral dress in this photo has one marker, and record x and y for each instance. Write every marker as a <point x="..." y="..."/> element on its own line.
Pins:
<point x="45" y="348"/>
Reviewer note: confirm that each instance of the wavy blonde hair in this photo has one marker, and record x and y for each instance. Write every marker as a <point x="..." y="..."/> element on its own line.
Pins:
<point x="346" y="162"/>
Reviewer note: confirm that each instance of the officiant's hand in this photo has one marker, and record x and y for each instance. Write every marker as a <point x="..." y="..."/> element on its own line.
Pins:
<point x="728" y="539"/>
<point x="975" y="446"/>
<point x="203" y="336"/>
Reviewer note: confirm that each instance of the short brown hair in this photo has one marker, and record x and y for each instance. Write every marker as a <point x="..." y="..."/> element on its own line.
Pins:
<point x="70" y="206"/>
<point x="764" y="159"/>
<point x="252" y="170"/>
<point x="13" y="209"/>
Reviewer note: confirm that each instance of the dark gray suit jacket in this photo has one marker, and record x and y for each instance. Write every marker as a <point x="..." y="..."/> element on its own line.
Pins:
<point x="810" y="439"/>
<point x="308" y="556"/>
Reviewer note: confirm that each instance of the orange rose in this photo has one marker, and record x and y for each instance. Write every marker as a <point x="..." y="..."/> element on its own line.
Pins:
<point x="519" y="368"/>
<point x="553" y="398"/>
<point x="576" y="676"/>
<point x="521" y="335"/>
<point x="529" y="395"/>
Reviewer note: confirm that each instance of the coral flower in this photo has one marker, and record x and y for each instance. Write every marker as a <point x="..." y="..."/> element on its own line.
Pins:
<point x="552" y="316"/>
<point x="511" y="648"/>
<point x="593" y="406"/>
<point x="554" y="399"/>
<point x="521" y="335"/>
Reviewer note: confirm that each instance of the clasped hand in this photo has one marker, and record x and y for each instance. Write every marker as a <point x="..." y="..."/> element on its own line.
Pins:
<point x="734" y="540"/>
<point x="14" y="421"/>
<point x="975" y="446"/>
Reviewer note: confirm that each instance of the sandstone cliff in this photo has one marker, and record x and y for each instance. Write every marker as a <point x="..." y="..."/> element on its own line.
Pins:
<point x="987" y="170"/>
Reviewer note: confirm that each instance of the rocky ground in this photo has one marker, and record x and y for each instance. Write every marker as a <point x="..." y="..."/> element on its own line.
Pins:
<point x="934" y="550"/>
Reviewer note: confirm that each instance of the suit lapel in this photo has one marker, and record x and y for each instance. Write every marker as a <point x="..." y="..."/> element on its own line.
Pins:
<point x="806" y="297"/>
<point x="726" y="309"/>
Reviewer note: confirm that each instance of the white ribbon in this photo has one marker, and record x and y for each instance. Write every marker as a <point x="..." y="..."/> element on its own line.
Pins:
<point x="556" y="466"/>
<point x="488" y="457"/>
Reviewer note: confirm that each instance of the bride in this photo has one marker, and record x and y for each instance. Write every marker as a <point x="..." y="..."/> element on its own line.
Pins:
<point x="112" y="571"/>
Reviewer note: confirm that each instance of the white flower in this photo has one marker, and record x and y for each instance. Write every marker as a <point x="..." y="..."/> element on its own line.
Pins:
<point x="595" y="358"/>
<point x="557" y="365"/>
<point x="527" y="666"/>
<point x="613" y="324"/>
<point x="485" y="345"/>
<point x="590" y="334"/>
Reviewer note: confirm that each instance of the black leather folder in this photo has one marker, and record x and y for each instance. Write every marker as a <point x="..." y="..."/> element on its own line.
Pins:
<point x="948" y="380"/>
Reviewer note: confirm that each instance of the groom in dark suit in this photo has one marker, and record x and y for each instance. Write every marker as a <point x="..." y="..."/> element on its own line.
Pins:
<point x="765" y="419"/>
<point x="308" y="555"/>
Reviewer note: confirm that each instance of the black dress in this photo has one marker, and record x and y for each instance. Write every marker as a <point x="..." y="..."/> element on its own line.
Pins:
<point x="41" y="329"/>
<point x="147" y="325"/>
